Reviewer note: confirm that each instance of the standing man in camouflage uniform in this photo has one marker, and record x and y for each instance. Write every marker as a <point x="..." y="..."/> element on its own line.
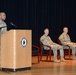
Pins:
<point x="46" y="40"/>
<point x="3" y="25"/>
<point x="65" y="40"/>
<point x="3" y="28"/>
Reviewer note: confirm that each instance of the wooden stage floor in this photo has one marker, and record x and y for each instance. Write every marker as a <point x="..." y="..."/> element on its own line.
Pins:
<point x="47" y="68"/>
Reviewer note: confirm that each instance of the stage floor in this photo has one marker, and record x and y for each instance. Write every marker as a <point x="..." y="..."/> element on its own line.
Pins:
<point x="47" y="68"/>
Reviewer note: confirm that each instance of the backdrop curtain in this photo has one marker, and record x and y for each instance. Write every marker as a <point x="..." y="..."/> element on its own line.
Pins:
<point x="39" y="14"/>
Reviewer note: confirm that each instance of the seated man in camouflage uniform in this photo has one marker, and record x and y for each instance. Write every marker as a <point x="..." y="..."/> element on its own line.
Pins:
<point x="46" y="40"/>
<point x="65" y="40"/>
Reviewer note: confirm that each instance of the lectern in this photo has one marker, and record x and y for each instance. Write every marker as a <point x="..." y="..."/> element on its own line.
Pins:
<point x="16" y="47"/>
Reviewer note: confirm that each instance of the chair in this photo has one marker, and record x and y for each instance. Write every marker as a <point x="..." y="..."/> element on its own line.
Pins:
<point x="36" y="52"/>
<point x="66" y="50"/>
<point x="47" y="52"/>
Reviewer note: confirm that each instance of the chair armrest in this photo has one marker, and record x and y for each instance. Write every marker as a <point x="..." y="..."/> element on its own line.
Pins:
<point x="35" y="47"/>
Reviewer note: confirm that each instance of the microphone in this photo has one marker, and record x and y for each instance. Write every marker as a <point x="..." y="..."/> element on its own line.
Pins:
<point x="13" y="24"/>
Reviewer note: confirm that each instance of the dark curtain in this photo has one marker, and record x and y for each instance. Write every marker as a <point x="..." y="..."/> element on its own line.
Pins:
<point x="39" y="14"/>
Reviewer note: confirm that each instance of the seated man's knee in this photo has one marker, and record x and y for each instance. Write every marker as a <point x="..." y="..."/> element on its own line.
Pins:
<point x="61" y="47"/>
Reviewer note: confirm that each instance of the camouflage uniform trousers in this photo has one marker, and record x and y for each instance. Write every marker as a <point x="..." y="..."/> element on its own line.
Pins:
<point x="58" y="47"/>
<point x="73" y="47"/>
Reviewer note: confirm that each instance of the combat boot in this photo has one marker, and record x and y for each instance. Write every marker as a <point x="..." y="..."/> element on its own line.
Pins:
<point x="73" y="57"/>
<point x="56" y="60"/>
<point x="62" y="59"/>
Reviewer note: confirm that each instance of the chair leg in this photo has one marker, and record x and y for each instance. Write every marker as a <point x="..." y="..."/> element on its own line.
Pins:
<point x="69" y="53"/>
<point x="38" y="58"/>
<point x="64" y="54"/>
<point x="40" y="55"/>
<point x="50" y="54"/>
<point x="47" y="56"/>
<point x="58" y="56"/>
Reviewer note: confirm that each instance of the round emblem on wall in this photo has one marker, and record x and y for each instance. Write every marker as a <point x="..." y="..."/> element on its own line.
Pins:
<point x="24" y="42"/>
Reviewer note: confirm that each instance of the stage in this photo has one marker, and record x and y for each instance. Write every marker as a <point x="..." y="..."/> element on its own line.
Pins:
<point x="47" y="68"/>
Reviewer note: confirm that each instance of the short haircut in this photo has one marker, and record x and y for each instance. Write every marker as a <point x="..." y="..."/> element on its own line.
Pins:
<point x="46" y="29"/>
<point x="65" y="28"/>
